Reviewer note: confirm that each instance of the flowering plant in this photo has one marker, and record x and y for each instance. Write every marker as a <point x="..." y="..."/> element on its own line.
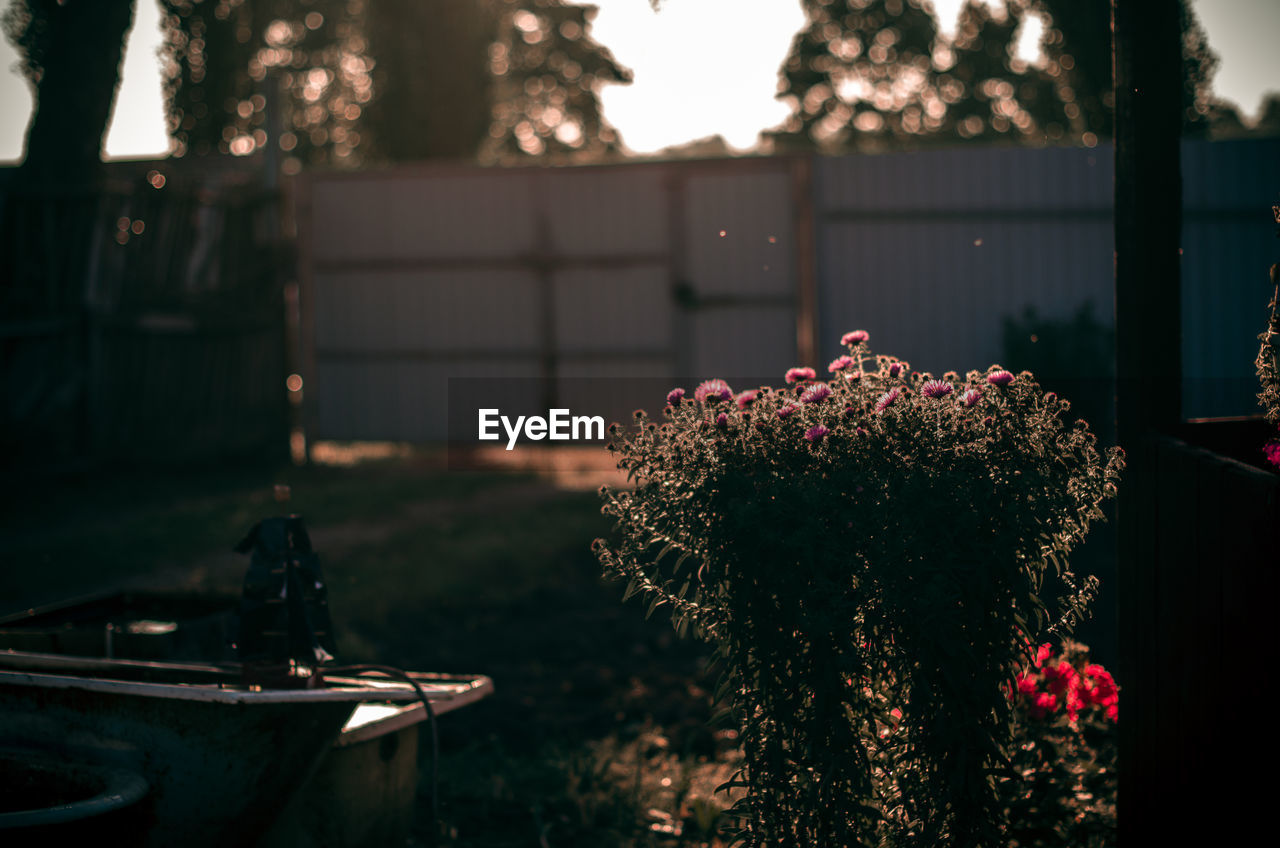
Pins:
<point x="1268" y="361"/>
<point x="1063" y="790"/>
<point x="867" y="553"/>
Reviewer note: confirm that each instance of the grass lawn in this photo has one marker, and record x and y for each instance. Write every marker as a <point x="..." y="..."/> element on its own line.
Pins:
<point x="598" y="732"/>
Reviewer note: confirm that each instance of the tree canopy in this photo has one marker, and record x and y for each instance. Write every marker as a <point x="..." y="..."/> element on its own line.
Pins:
<point x="505" y="80"/>
<point x="395" y="80"/>
<point x="867" y="74"/>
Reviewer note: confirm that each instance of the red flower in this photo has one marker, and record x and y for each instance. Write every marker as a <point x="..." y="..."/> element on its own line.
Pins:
<point x="1043" y="704"/>
<point x="1076" y="701"/>
<point x="1060" y="683"/>
<point x="1058" y="678"/>
<point x="1102" y="690"/>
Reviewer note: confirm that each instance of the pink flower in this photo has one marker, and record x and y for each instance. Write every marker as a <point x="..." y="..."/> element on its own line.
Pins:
<point x="886" y="400"/>
<point x="970" y="398"/>
<point x="722" y="421"/>
<point x="1272" y="453"/>
<point x="786" y="410"/>
<point x="747" y="398"/>
<point x="840" y="363"/>
<point x="853" y="376"/>
<point x="816" y="433"/>
<point x="895" y="368"/>
<point x="817" y="393"/>
<point x="675" y="396"/>
<point x="1000" y="378"/>
<point x="795" y="375"/>
<point x="854" y="338"/>
<point x="713" y="390"/>
<point x="936" y="389"/>
<point x="1043" y="653"/>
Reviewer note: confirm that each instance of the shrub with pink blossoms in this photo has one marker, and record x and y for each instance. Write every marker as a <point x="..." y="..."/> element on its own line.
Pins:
<point x="866" y="556"/>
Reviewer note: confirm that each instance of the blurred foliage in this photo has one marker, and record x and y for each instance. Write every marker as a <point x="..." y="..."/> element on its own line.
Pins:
<point x="395" y="80"/>
<point x="868" y="74"/>
<point x="546" y="70"/>
<point x="1074" y="357"/>
<point x="219" y="54"/>
<point x="1226" y="120"/>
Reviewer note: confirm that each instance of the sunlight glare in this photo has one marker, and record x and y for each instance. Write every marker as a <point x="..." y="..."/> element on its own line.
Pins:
<point x="137" y="128"/>
<point x="701" y="67"/>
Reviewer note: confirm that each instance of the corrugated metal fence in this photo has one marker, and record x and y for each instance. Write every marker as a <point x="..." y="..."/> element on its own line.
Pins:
<point x="581" y="279"/>
<point x="572" y="283"/>
<point x="930" y="252"/>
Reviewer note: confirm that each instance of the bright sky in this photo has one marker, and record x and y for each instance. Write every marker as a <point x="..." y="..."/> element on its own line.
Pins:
<point x="722" y="65"/>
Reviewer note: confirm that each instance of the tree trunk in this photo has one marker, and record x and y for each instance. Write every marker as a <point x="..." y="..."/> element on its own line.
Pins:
<point x="76" y="90"/>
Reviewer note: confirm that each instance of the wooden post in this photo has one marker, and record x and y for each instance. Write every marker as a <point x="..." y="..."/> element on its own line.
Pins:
<point x="1147" y="40"/>
<point x="802" y="203"/>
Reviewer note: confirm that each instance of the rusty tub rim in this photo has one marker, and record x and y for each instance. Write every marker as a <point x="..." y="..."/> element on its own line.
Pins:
<point x="446" y="692"/>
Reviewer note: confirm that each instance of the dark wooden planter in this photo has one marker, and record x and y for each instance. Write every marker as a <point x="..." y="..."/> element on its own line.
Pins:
<point x="1203" y="735"/>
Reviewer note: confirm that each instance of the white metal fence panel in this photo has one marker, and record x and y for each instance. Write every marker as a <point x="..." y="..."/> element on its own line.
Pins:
<point x="931" y="251"/>
<point x="606" y="213"/>
<point x="423" y="312"/>
<point x="740" y="267"/>
<point x="590" y="282"/>
<point x="387" y="216"/>
<point x="566" y="278"/>
<point x="612" y="313"/>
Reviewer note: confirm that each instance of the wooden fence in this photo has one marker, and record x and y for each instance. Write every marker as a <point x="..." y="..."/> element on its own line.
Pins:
<point x="1196" y="628"/>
